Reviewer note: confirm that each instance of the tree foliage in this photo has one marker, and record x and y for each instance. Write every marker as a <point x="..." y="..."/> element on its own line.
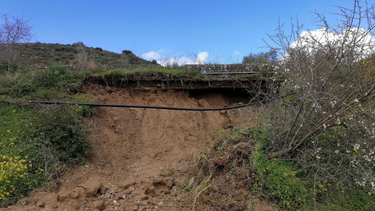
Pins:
<point x="327" y="128"/>
<point x="260" y="58"/>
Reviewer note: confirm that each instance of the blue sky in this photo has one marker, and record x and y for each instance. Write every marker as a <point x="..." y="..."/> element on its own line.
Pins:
<point x="217" y="31"/>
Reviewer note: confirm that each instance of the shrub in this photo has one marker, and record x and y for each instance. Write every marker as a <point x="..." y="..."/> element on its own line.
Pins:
<point x="9" y="66"/>
<point x="57" y="138"/>
<point x="278" y="179"/>
<point x="38" y="144"/>
<point x="47" y="78"/>
<point x="326" y="129"/>
<point x="21" y="89"/>
<point x="15" y="178"/>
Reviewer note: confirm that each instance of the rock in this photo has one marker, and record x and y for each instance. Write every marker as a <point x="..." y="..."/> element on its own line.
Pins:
<point x="41" y="204"/>
<point x="63" y="195"/>
<point x="74" y="195"/>
<point x="98" y="205"/>
<point x="103" y="189"/>
<point x="91" y="187"/>
<point x="143" y="203"/>
<point x="174" y="194"/>
<point x="130" y="207"/>
<point x="125" y="185"/>
<point x="166" y="172"/>
<point x="76" y="192"/>
<point x="150" y="192"/>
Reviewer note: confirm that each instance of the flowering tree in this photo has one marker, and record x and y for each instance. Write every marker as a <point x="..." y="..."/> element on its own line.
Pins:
<point x="327" y="128"/>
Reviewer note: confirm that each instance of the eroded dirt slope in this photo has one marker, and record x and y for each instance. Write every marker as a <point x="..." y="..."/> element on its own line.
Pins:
<point x="140" y="155"/>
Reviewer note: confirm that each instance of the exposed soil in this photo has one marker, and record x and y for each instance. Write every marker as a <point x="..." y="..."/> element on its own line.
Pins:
<point x="141" y="156"/>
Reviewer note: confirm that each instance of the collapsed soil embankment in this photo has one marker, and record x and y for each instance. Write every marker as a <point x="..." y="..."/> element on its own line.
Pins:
<point x="140" y="155"/>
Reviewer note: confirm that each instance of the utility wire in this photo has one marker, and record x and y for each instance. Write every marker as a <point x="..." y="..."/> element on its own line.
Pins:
<point x="144" y="106"/>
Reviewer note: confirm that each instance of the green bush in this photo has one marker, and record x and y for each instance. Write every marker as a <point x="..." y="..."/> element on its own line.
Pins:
<point x="60" y="68"/>
<point x="16" y="178"/>
<point x="17" y="172"/>
<point x="278" y="179"/>
<point x="21" y="89"/>
<point x="45" y="94"/>
<point x="9" y="66"/>
<point x="59" y="132"/>
<point x="343" y="200"/>
<point x="45" y="140"/>
<point x="47" y="78"/>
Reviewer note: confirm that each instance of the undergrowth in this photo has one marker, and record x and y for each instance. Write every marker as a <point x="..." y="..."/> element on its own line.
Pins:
<point x="37" y="143"/>
<point x="288" y="185"/>
<point x="277" y="179"/>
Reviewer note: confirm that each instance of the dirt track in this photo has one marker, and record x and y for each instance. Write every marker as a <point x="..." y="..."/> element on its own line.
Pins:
<point x="140" y="155"/>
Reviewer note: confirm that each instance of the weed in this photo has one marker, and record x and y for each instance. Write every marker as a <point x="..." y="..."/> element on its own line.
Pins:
<point x="47" y="78"/>
<point x="188" y="185"/>
<point x="278" y="179"/>
<point x="21" y="89"/>
<point x="43" y="140"/>
<point x="250" y="207"/>
<point x="340" y="200"/>
<point x="9" y="66"/>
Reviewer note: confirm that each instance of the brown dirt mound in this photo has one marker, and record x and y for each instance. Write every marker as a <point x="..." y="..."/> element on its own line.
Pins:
<point x="141" y="155"/>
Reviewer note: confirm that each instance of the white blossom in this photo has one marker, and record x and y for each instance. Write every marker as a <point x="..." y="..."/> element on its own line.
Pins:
<point x="356" y="146"/>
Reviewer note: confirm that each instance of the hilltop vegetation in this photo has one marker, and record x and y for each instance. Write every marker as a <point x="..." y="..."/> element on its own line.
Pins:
<point x="77" y="56"/>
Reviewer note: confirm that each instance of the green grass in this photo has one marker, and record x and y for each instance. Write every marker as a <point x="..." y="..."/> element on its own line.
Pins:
<point x="172" y="72"/>
<point x="284" y="182"/>
<point x="14" y="119"/>
<point x="42" y="53"/>
<point x="43" y="139"/>
<point x="278" y="180"/>
<point x="37" y="142"/>
<point x="337" y="200"/>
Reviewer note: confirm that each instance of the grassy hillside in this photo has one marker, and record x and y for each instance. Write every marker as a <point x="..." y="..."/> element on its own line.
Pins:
<point x="41" y="54"/>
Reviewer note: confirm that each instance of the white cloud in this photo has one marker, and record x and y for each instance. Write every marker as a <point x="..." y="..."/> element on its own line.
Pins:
<point x="200" y="58"/>
<point x="236" y="53"/>
<point x="310" y="41"/>
<point x="152" y="55"/>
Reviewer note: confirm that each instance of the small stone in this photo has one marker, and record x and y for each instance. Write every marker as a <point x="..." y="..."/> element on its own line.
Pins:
<point x="91" y="187"/>
<point x="125" y="185"/>
<point x="76" y="192"/>
<point x="63" y="195"/>
<point x="103" y="189"/>
<point x="98" y="205"/>
<point x="223" y="112"/>
<point x="41" y="204"/>
<point x="74" y="195"/>
<point x="143" y="203"/>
